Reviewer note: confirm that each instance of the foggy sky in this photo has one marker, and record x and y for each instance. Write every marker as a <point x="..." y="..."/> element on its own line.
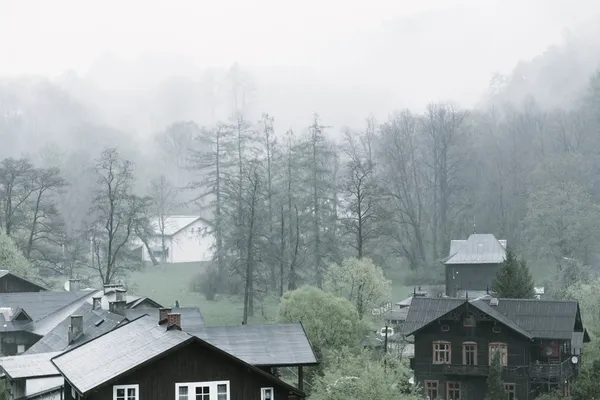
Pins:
<point x="480" y="38"/>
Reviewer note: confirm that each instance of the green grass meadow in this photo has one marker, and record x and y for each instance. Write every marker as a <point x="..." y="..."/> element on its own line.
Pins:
<point x="168" y="283"/>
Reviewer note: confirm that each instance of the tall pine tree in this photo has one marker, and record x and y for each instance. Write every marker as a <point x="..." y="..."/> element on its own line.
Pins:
<point x="495" y="385"/>
<point x="514" y="280"/>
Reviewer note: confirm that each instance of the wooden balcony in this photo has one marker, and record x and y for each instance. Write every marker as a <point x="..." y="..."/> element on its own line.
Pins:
<point x="541" y="372"/>
<point x="451" y="369"/>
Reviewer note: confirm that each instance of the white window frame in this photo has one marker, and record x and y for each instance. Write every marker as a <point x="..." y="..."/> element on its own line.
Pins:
<point x="263" y="393"/>
<point x="193" y="385"/>
<point x="136" y="387"/>
<point x="19" y="347"/>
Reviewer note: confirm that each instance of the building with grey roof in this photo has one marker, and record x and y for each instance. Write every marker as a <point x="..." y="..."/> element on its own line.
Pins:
<point x="472" y="264"/>
<point x="32" y="376"/>
<point x="26" y="317"/>
<point x="539" y="343"/>
<point x="143" y="359"/>
<point x="269" y="345"/>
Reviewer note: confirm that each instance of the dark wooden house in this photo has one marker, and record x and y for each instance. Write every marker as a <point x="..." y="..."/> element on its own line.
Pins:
<point x="538" y="341"/>
<point x="145" y="360"/>
<point x="26" y="317"/>
<point x="472" y="263"/>
<point x="11" y="283"/>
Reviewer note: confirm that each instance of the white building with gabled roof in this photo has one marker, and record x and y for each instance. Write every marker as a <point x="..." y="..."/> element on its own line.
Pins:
<point x="186" y="237"/>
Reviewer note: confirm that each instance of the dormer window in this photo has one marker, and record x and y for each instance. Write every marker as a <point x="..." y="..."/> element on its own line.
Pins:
<point x="469" y="321"/>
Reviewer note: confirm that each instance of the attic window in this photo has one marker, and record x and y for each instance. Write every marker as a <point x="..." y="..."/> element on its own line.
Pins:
<point x="469" y="321"/>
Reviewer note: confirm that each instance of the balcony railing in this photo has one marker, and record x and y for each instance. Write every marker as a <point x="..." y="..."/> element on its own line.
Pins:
<point x="551" y="371"/>
<point x="535" y="371"/>
<point x="451" y="369"/>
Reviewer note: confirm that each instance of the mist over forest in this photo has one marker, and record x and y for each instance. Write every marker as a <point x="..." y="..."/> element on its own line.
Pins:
<point x="296" y="167"/>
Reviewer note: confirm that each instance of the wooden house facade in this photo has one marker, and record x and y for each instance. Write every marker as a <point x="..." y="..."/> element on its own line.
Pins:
<point x="146" y="360"/>
<point x="455" y="340"/>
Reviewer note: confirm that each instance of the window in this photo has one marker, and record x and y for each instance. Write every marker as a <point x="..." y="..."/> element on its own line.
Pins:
<point x="453" y="390"/>
<point x="511" y="391"/>
<point x="441" y="352"/>
<point x="469" y="353"/>
<point x="126" y="392"/>
<point x="502" y="350"/>
<point x="20" y="348"/>
<point x="267" y="394"/>
<point x="431" y="389"/>
<point x="202" y="391"/>
<point x="469" y="321"/>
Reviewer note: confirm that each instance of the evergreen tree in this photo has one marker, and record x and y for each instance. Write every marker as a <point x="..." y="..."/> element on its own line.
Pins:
<point x="514" y="280"/>
<point x="494" y="381"/>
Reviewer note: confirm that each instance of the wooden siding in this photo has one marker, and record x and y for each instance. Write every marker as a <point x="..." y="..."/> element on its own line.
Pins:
<point x="12" y="284"/>
<point x="192" y="363"/>
<point x="469" y="277"/>
<point x="9" y="341"/>
<point x="472" y="378"/>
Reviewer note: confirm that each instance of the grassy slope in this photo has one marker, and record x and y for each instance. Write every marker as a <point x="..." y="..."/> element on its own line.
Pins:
<point x="168" y="283"/>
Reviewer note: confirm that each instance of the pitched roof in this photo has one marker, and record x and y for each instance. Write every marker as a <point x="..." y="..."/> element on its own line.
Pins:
<point x="424" y="310"/>
<point x="477" y="249"/>
<point x="38" y="305"/>
<point x="95" y="323"/>
<point x="547" y="319"/>
<point x="117" y="352"/>
<point x="49" y="322"/>
<point x="191" y="317"/>
<point x="173" y="224"/>
<point x="132" y="301"/>
<point x="5" y="272"/>
<point x="29" y="366"/>
<point x="271" y="344"/>
<point x="543" y="319"/>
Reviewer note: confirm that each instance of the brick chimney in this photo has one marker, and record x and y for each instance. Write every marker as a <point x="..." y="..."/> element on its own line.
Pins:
<point x="76" y="328"/>
<point x="74" y="285"/>
<point x="174" y="321"/>
<point x="117" y="307"/>
<point x="121" y="294"/>
<point x="163" y="315"/>
<point x="97" y="303"/>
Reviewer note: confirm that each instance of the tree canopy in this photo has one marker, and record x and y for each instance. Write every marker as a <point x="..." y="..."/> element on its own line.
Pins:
<point x="12" y="259"/>
<point x="355" y="375"/>
<point x="330" y="322"/>
<point x="514" y="280"/>
<point x="361" y="282"/>
<point x="495" y="386"/>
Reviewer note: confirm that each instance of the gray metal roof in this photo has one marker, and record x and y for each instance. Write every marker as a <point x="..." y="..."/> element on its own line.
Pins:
<point x="543" y="319"/>
<point x="95" y="323"/>
<point x="117" y="352"/>
<point x="126" y="347"/>
<point x="424" y="310"/>
<point x="397" y="315"/>
<point x="191" y="317"/>
<point x="405" y="303"/>
<point x="271" y="344"/>
<point x="493" y="312"/>
<point x="40" y="304"/>
<point x="477" y="249"/>
<point x="43" y="326"/>
<point x="29" y="366"/>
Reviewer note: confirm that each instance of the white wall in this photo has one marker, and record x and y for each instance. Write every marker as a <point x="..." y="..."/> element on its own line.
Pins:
<point x="189" y="247"/>
<point x="36" y="385"/>
<point x="185" y="246"/>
